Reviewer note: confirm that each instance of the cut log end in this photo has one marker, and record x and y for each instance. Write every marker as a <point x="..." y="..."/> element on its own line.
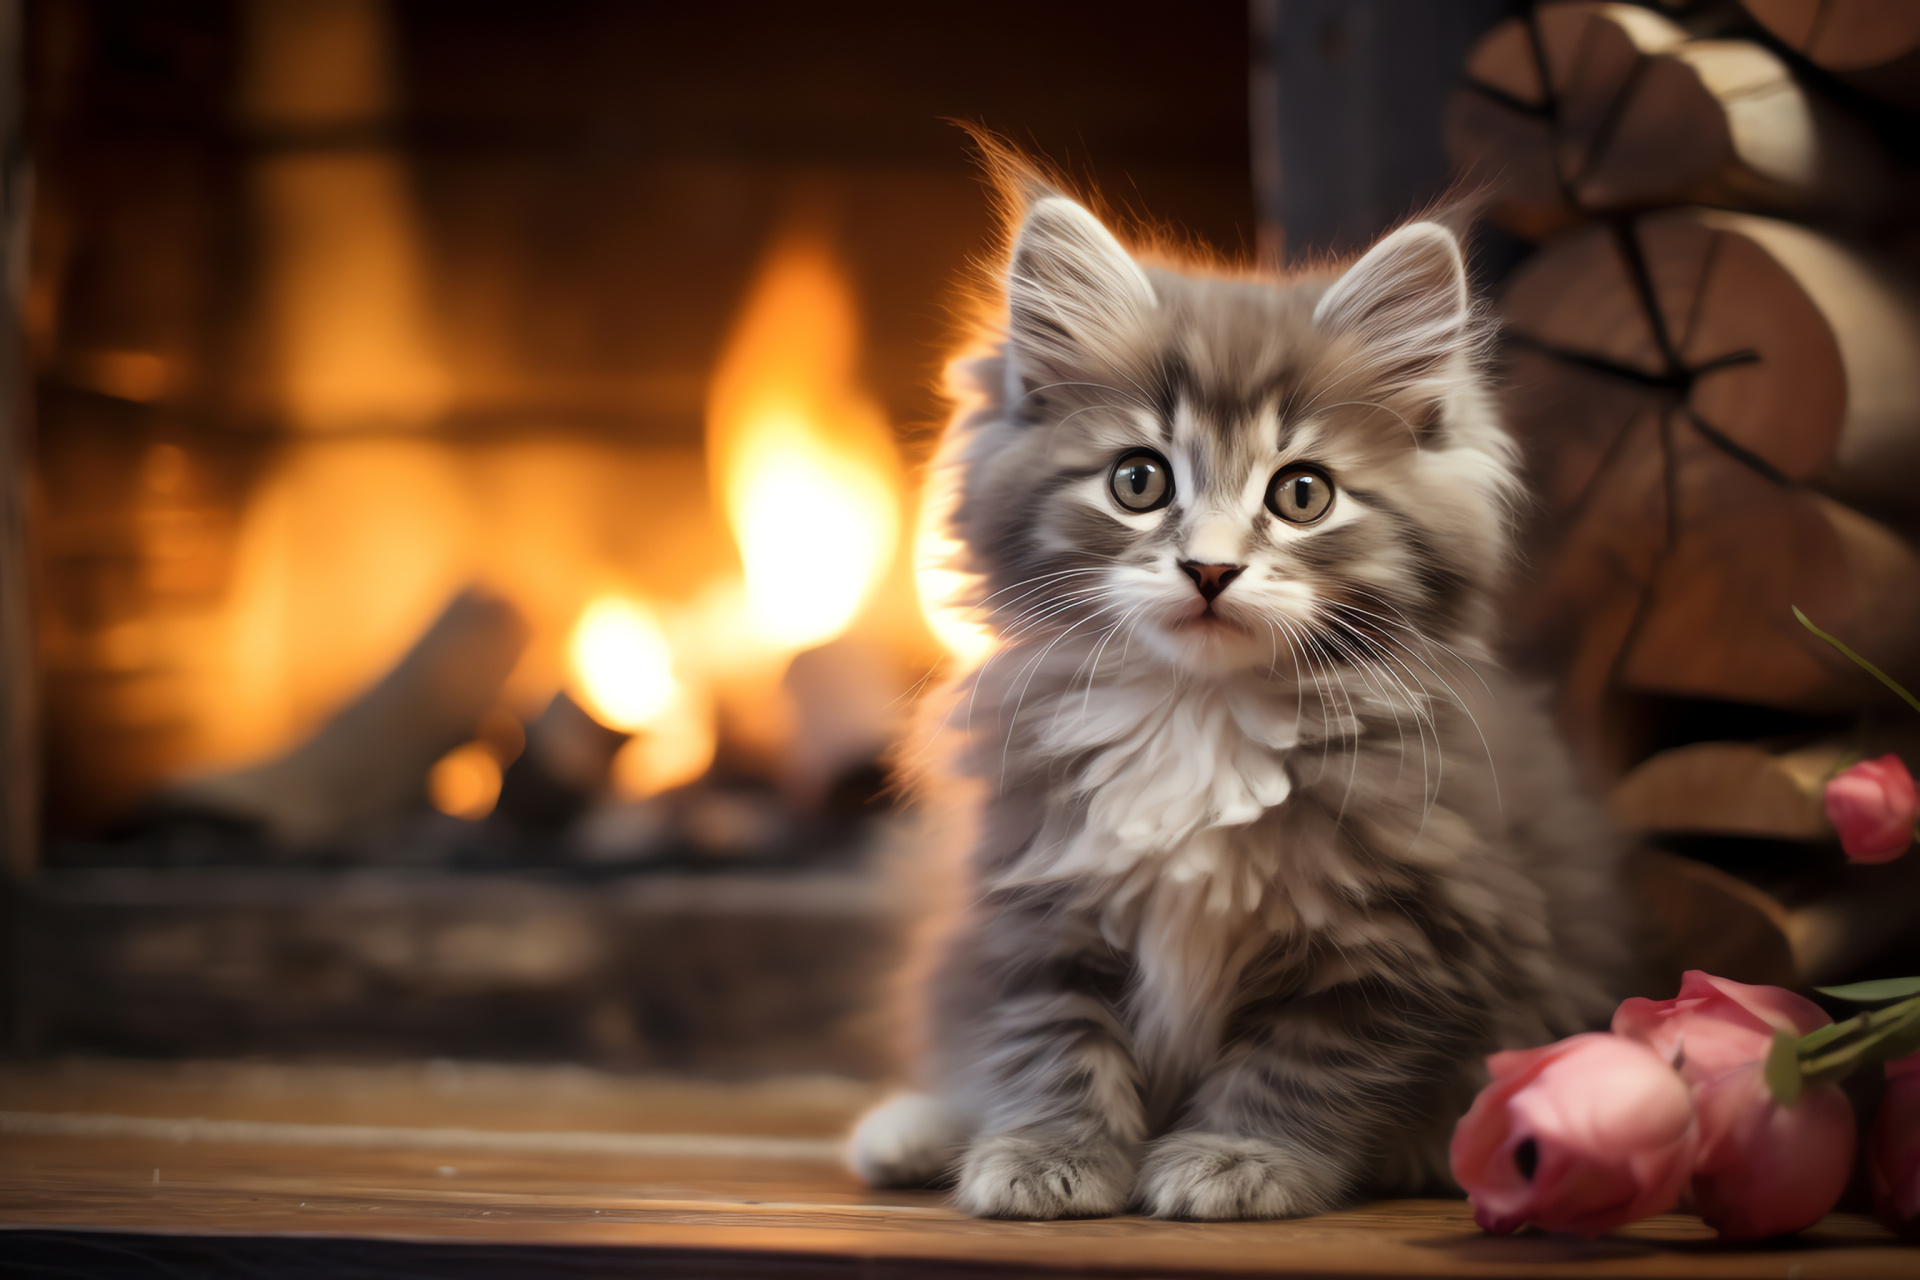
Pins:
<point x="1716" y="408"/>
<point x="1601" y="107"/>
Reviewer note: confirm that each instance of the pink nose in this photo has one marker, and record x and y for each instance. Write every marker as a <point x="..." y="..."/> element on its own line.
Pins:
<point x="1210" y="579"/>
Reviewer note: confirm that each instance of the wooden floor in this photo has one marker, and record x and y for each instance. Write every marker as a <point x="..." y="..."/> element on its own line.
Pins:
<point x="460" y="1170"/>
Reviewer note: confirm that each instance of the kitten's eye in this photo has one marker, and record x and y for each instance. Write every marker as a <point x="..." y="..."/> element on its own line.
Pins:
<point x="1300" y="495"/>
<point x="1142" y="482"/>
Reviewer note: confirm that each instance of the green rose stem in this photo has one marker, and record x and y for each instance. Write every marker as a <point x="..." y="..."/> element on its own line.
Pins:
<point x="1859" y="661"/>
<point x="1879" y="1035"/>
<point x="1834" y="1052"/>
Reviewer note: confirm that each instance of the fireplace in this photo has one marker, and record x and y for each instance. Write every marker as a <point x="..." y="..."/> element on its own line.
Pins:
<point x="339" y="307"/>
<point x="589" y="351"/>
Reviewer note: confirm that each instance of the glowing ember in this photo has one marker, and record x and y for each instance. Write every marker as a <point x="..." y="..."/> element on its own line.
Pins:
<point x="623" y="670"/>
<point x="465" y="783"/>
<point x="803" y="459"/>
<point x="676" y="749"/>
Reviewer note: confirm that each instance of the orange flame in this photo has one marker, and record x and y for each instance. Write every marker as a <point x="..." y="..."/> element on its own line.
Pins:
<point x="625" y="674"/>
<point x="803" y="460"/>
<point x="622" y="667"/>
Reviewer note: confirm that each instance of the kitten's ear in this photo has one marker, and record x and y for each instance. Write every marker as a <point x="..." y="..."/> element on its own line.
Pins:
<point x="1071" y="288"/>
<point x="1406" y="301"/>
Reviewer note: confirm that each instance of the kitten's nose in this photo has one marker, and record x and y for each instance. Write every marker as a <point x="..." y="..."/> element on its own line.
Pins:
<point x="1211" y="579"/>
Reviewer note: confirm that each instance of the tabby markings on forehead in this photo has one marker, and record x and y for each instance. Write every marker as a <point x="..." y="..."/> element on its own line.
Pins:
<point x="1092" y="434"/>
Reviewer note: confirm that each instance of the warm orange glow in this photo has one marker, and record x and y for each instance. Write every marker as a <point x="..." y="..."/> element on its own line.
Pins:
<point x="622" y="668"/>
<point x="347" y="292"/>
<point x="803" y="460"/>
<point x="345" y="264"/>
<point x="676" y="749"/>
<point x="465" y="782"/>
<point x="943" y="588"/>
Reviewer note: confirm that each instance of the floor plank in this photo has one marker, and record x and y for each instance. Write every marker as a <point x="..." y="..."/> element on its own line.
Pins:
<point x="416" y="1154"/>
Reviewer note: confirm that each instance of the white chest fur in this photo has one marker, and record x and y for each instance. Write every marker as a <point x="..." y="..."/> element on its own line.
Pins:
<point x="1155" y="826"/>
<point x="1152" y="769"/>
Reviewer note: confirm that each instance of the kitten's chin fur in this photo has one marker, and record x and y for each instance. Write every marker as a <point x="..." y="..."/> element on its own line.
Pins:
<point x="1208" y="645"/>
<point x="1250" y="896"/>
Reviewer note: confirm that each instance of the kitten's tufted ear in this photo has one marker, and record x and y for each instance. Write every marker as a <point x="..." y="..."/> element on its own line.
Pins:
<point x="1071" y="289"/>
<point x="1406" y="301"/>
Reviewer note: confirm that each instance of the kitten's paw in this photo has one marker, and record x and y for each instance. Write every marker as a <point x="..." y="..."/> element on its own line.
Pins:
<point x="910" y="1140"/>
<point x="1042" y="1175"/>
<point x="1216" y="1176"/>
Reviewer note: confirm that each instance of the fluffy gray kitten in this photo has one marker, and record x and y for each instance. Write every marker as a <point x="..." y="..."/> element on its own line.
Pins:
<point x="1266" y="849"/>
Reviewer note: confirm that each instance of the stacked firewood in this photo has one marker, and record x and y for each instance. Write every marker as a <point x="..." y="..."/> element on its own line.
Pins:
<point x="1714" y="366"/>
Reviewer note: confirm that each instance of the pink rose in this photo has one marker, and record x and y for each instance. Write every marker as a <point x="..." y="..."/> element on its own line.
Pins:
<point x="1584" y="1136"/>
<point x="1714" y="1024"/>
<point x="1873" y="806"/>
<point x="1764" y="1169"/>
<point x="1893" y="1149"/>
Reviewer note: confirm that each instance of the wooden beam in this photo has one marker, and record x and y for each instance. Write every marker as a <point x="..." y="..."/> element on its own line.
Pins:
<point x="19" y="751"/>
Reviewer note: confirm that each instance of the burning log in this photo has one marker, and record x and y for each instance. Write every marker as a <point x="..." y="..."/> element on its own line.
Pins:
<point x="1591" y="107"/>
<point x="1872" y="44"/>
<point x="1706" y="398"/>
<point x="371" y="760"/>
<point x="565" y="767"/>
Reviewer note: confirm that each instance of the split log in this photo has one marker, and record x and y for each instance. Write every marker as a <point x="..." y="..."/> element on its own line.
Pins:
<point x="1836" y="937"/>
<point x="1694" y="916"/>
<point x="1730" y="788"/>
<point x="1705" y="398"/>
<point x="371" y="760"/>
<point x="1872" y="44"/>
<point x="1583" y="108"/>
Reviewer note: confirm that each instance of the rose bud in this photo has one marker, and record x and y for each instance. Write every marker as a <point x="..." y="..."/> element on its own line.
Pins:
<point x="1764" y="1169"/>
<point x="1873" y="805"/>
<point x="1893" y="1149"/>
<point x="1715" y="1024"/>
<point x="1584" y="1136"/>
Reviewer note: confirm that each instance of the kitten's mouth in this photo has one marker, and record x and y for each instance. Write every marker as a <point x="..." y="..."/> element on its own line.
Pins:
<point x="1205" y="619"/>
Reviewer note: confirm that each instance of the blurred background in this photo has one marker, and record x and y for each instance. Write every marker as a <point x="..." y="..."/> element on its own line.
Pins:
<point x="466" y="543"/>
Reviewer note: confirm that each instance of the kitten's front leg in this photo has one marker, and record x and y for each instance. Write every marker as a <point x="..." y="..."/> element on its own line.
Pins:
<point x="1065" y="1120"/>
<point x="1293" y="1118"/>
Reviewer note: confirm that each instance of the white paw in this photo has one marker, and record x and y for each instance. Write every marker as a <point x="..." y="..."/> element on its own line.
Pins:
<point x="1214" y="1176"/>
<point x="910" y="1140"/>
<point x="1028" y="1175"/>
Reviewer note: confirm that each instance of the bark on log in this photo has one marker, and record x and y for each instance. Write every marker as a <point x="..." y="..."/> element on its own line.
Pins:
<point x="1702" y="394"/>
<point x="371" y="759"/>
<point x="1584" y="108"/>
<point x="1872" y="44"/>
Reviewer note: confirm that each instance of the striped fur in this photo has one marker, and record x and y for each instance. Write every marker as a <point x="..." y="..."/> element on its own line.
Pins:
<point x="1254" y="885"/>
